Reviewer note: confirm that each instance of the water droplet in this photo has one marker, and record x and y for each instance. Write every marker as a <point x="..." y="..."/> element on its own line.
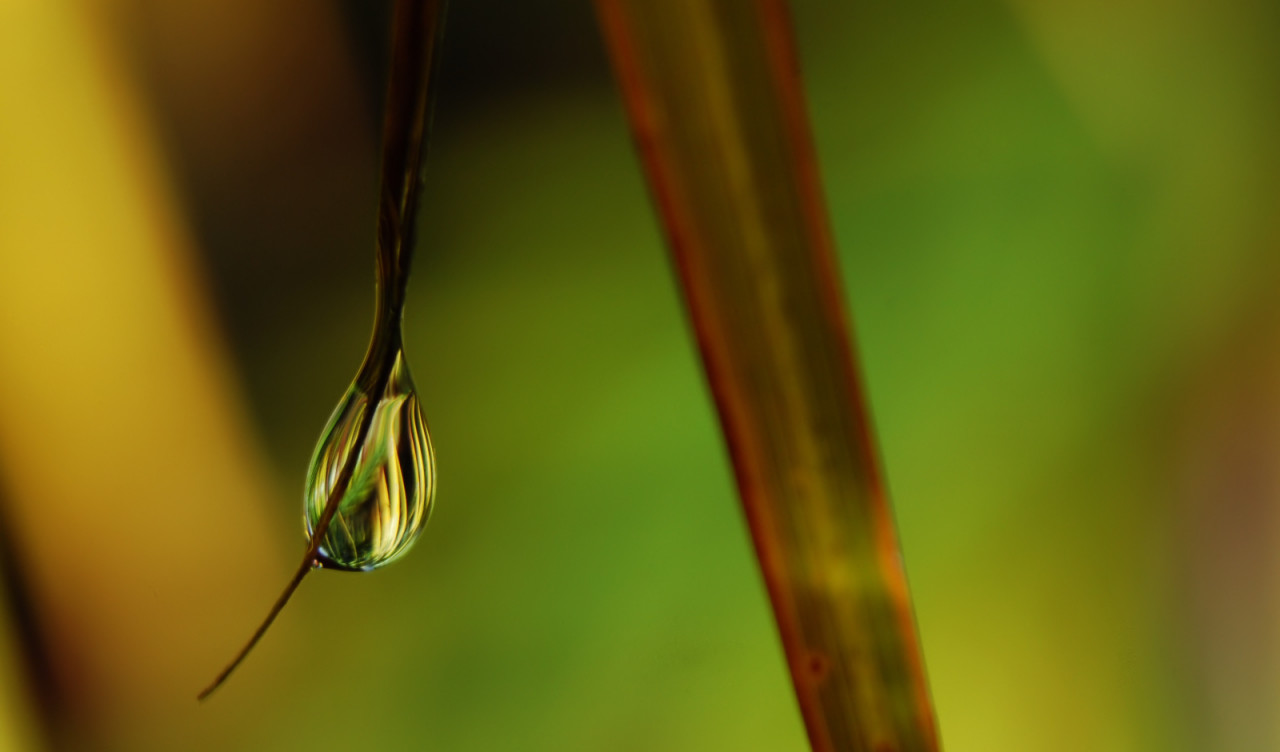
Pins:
<point x="389" y="496"/>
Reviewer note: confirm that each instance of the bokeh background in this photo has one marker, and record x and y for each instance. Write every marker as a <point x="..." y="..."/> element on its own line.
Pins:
<point x="1059" y="234"/>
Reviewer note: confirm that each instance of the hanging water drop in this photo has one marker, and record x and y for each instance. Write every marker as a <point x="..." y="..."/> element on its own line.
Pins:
<point x="372" y="478"/>
<point x="389" y="496"/>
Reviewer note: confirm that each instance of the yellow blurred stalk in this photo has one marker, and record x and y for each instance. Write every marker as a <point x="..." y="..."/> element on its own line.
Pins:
<point x="715" y="105"/>
<point x="19" y="728"/>
<point x="136" y="497"/>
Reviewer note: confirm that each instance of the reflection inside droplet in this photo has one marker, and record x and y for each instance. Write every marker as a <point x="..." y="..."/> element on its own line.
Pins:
<point x="388" y="498"/>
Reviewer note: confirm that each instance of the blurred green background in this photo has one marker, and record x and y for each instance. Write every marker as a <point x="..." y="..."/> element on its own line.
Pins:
<point x="1059" y="233"/>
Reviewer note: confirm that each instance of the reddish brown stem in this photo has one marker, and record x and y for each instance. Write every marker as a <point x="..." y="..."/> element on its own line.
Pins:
<point x="716" y="109"/>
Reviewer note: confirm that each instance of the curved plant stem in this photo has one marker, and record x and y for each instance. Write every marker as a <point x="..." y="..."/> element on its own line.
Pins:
<point x="415" y="29"/>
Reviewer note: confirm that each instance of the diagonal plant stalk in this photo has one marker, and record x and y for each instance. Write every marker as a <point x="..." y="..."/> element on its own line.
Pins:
<point x="715" y="106"/>
<point x="416" y="26"/>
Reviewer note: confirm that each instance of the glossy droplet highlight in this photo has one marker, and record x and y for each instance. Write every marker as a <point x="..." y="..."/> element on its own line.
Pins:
<point x="392" y="487"/>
